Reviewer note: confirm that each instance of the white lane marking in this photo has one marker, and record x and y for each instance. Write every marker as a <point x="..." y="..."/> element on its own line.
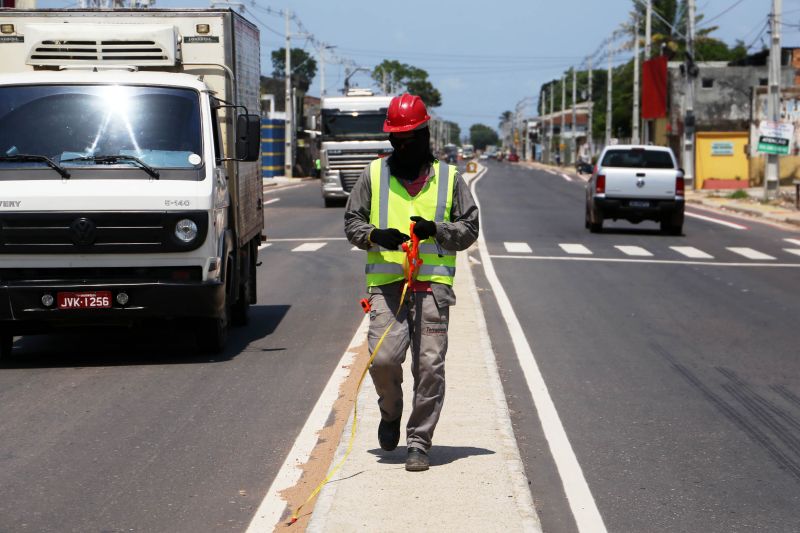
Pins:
<point x="309" y="247"/>
<point x="581" y="502"/>
<point x="795" y="251"/>
<point x="635" y="251"/>
<point x="278" y="188"/>
<point x="565" y="177"/>
<point x="714" y="220"/>
<point x="793" y="241"/>
<point x="578" y="249"/>
<point x="691" y="251"/>
<point x="749" y="253"/>
<point x="306" y="239"/>
<point x="517" y="248"/>
<point x="265" y="245"/>
<point x="272" y="201"/>
<point x="473" y="260"/>
<point x="646" y="261"/>
<point x="272" y="507"/>
<point x="550" y="171"/>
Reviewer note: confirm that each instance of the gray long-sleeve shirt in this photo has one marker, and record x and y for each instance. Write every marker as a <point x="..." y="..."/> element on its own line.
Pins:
<point x="456" y="235"/>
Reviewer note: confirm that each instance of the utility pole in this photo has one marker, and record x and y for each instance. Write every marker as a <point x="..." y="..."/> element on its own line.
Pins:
<point x="608" y="96"/>
<point x="772" y="174"/>
<point x="322" y="70"/>
<point x="289" y="133"/>
<point x="550" y="147"/>
<point x="589" y="135"/>
<point x="688" y="123"/>
<point x="648" y="36"/>
<point x="574" y="115"/>
<point x="563" y="118"/>
<point x="635" y="139"/>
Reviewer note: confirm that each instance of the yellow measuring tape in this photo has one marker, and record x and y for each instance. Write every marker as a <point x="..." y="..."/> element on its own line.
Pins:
<point x="336" y="468"/>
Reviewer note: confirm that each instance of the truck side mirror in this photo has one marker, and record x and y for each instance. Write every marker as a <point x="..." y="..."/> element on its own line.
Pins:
<point x="248" y="138"/>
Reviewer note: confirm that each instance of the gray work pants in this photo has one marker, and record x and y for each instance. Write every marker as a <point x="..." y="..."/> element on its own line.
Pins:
<point x="422" y="326"/>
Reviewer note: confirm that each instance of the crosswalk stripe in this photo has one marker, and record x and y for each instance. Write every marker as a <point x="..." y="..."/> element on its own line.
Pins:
<point x="575" y="249"/>
<point x="265" y="245"/>
<point x="309" y="247"/>
<point x="795" y="251"/>
<point x="636" y="251"/>
<point x="517" y="247"/>
<point x="793" y="241"/>
<point x="692" y="252"/>
<point x="750" y="253"/>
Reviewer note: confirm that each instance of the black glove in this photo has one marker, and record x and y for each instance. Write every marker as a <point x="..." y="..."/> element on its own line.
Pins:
<point x="424" y="228"/>
<point x="390" y="238"/>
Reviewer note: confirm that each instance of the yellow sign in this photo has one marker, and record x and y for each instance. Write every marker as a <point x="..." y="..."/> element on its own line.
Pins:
<point x="472" y="166"/>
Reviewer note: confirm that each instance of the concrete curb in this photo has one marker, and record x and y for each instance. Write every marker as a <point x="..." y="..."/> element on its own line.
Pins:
<point x="731" y="206"/>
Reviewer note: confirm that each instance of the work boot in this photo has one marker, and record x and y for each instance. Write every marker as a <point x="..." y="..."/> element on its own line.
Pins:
<point x="417" y="460"/>
<point x="389" y="434"/>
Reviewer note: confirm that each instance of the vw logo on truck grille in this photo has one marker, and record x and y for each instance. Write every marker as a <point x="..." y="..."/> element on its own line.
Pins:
<point x="83" y="231"/>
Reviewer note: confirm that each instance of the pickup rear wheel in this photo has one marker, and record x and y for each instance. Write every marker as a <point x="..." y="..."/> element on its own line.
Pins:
<point x="668" y="228"/>
<point x="596" y="227"/>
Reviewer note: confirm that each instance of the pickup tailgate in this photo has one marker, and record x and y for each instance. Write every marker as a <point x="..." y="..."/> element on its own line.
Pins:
<point x="651" y="183"/>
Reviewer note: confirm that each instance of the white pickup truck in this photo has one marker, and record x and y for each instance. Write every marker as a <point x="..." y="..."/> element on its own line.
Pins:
<point x="636" y="183"/>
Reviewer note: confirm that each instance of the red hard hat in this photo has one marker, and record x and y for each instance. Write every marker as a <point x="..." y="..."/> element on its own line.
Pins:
<point x="406" y="112"/>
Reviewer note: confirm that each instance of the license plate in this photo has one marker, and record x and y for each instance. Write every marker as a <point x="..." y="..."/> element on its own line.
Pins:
<point x="638" y="203"/>
<point x="84" y="300"/>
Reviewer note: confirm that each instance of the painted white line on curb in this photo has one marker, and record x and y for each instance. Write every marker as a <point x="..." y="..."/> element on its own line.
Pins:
<point x="715" y="220"/>
<point x="577" y="249"/>
<point x="272" y="201"/>
<point x="309" y="247"/>
<point x="566" y="177"/>
<point x="750" y="253"/>
<point x="692" y="252"/>
<point x="517" y="248"/>
<point x="272" y="507"/>
<point x="581" y="502"/>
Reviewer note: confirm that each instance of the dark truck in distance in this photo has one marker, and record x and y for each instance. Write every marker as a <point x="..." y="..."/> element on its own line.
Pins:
<point x="636" y="183"/>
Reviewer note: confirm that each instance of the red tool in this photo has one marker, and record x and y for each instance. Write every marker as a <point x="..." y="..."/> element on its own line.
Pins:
<point x="365" y="305"/>
<point x="412" y="256"/>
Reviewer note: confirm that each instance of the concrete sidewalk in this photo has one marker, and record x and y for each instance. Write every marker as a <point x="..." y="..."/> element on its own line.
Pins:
<point x="476" y="481"/>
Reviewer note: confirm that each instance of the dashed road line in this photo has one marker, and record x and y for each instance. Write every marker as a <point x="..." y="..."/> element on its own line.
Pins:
<point x="517" y="248"/>
<point x="309" y="247"/>
<point x="795" y="251"/>
<point x="272" y="201"/>
<point x="635" y="251"/>
<point x="793" y="241"/>
<point x="692" y="252"/>
<point x="577" y="249"/>
<point x="565" y="176"/>
<point x="715" y="220"/>
<point x="750" y="253"/>
<point x="265" y="245"/>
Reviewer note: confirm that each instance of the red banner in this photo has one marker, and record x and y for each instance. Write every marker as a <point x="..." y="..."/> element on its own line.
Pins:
<point x="654" y="88"/>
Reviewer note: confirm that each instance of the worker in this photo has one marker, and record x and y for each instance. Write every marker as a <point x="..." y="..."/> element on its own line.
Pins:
<point x="317" y="168"/>
<point x="410" y="185"/>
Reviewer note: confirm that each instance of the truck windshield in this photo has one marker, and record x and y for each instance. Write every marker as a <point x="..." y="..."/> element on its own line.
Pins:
<point x="360" y="125"/>
<point x="637" y="158"/>
<point x="83" y="125"/>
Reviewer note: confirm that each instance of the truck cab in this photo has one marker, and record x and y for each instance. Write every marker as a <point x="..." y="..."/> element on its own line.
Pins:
<point x="352" y="136"/>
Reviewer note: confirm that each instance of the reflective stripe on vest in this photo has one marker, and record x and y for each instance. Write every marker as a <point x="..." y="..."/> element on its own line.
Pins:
<point x="392" y="207"/>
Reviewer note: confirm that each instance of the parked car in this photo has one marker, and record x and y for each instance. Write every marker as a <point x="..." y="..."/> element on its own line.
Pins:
<point x="636" y="183"/>
<point x="513" y="157"/>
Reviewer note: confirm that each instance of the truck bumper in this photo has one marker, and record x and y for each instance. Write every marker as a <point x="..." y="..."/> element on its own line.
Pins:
<point x="620" y="208"/>
<point x="332" y="187"/>
<point x="22" y="310"/>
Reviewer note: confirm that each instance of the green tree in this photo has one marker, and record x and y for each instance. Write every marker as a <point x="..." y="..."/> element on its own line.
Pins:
<point x="395" y="77"/>
<point x="304" y="67"/>
<point x="481" y="135"/>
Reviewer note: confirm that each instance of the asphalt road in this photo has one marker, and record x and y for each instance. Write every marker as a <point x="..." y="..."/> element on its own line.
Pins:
<point x="132" y="431"/>
<point x="677" y="378"/>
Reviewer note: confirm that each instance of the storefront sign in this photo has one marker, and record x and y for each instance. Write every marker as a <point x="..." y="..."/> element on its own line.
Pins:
<point x="774" y="137"/>
<point x="721" y="148"/>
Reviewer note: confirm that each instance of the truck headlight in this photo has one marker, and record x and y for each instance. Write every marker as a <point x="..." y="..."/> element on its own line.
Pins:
<point x="186" y="230"/>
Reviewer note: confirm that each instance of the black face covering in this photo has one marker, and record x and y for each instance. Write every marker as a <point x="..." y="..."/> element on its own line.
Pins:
<point x="410" y="155"/>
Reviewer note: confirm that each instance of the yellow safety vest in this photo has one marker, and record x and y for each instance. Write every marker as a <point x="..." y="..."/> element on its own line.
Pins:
<point x="392" y="207"/>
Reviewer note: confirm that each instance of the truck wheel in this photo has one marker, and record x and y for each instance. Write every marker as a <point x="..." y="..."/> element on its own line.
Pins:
<point x="330" y="202"/>
<point x="668" y="228"/>
<point x="586" y="221"/>
<point x="240" y="309"/>
<point x="6" y="345"/>
<point x="596" y="227"/>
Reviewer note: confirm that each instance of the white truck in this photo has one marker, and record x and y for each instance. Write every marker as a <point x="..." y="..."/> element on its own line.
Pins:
<point x="636" y="183"/>
<point x="352" y="136"/>
<point x="129" y="185"/>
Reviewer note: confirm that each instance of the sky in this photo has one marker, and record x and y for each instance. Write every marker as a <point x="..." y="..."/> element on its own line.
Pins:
<point x="484" y="56"/>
